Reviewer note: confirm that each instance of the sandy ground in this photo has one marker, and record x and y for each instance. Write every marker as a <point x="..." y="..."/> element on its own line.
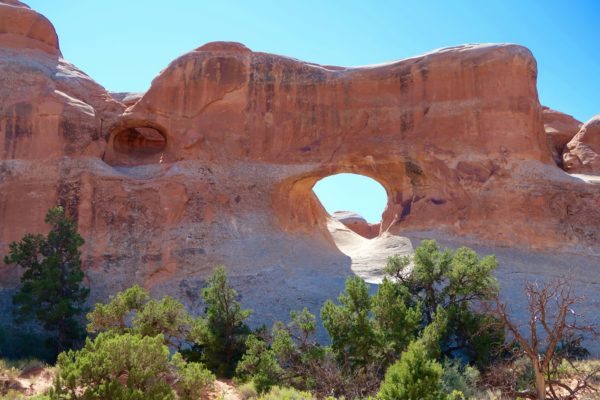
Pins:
<point x="40" y="380"/>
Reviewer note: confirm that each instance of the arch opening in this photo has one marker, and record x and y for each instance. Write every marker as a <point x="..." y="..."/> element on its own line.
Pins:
<point x="356" y="201"/>
<point x="134" y="143"/>
<point x="140" y="141"/>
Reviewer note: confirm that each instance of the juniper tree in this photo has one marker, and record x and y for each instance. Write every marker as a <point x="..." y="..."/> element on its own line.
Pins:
<point x="51" y="290"/>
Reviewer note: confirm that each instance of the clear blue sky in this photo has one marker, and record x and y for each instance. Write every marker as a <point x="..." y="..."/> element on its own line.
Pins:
<point x="123" y="44"/>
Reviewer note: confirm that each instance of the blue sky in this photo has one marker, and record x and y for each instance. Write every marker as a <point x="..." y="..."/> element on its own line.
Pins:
<point x="124" y="44"/>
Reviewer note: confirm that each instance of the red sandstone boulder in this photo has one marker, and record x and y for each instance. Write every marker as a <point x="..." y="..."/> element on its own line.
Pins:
<point x="23" y="28"/>
<point x="560" y="129"/>
<point x="48" y="107"/>
<point x="357" y="223"/>
<point x="582" y="154"/>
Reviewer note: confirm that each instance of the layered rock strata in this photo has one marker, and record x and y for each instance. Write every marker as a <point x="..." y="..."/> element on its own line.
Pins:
<point x="215" y="163"/>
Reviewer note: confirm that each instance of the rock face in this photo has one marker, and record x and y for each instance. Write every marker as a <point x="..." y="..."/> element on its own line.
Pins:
<point x="560" y="129"/>
<point x="582" y="155"/>
<point x="357" y="223"/>
<point x="215" y="164"/>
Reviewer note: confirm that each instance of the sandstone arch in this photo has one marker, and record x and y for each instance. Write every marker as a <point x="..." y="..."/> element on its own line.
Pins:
<point x="455" y="136"/>
<point x="355" y="200"/>
<point x="137" y="143"/>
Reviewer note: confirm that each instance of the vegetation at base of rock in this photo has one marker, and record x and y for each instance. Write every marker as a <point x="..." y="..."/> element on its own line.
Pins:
<point x="51" y="291"/>
<point x="133" y="311"/>
<point x="221" y="336"/>
<point x="433" y="329"/>
<point x="457" y="281"/>
<point x="127" y="366"/>
<point x="217" y="339"/>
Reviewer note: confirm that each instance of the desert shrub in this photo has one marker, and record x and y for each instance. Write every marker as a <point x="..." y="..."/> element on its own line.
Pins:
<point x="116" y="315"/>
<point x="416" y="376"/>
<point x="259" y="364"/>
<point x="285" y="393"/>
<point x="247" y="391"/>
<point x="397" y="319"/>
<point x="192" y="378"/>
<point x="367" y="330"/>
<point x="551" y="319"/>
<point x="461" y="378"/>
<point x="133" y="311"/>
<point x="457" y="281"/>
<point x="126" y="366"/>
<point x="217" y="340"/>
<point x="350" y="326"/>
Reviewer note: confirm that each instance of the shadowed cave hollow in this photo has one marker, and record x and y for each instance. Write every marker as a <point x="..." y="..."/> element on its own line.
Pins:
<point x="137" y="145"/>
<point x="355" y="200"/>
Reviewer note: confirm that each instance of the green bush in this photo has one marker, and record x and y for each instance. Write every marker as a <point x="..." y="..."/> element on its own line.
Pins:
<point x="455" y="281"/>
<point x="126" y="366"/>
<point x="279" y="393"/>
<point x="350" y="326"/>
<point x="247" y="391"/>
<point x="116" y="315"/>
<point x="259" y="364"/>
<point x="415" y="377"/>
<point x="461" y="378"/>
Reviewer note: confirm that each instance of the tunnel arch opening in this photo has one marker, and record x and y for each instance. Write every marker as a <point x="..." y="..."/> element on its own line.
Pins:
<point x="136" y="143"/>
<point x="143" y="141"/>
<point x="355" y="200"/>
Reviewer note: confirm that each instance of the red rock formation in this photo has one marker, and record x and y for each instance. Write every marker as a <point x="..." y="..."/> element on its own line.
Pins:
<point x="582" y="155"/>
<point x="216" y="162"/>
<point x="357" y="223"/>
<point x="560" y="129"/>
<point x="23" y="28"/>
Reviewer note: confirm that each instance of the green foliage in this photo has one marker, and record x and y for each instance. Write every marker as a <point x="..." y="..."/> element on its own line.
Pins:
<point x="126" y="366"/>
<point x="167" y="317"/>
<point x="192" y="378"/>
<point x="247" y="391"/>
<point x="220" y="338"/>
<point x="285" y="393"/>
<point x="371" y="330"/>
<point x="51" y="291"/>
<point x="133" y="311"/>
<point x="297" y="352"/>
<point x="460" y="378"/>
<point x="353" y="332"/>
<point x="397" y="319"/>
<point x="113" y="315"/>
<point x="415" y="377"/>
<point x="259" y="364"/>
<point x="455" y="281"/>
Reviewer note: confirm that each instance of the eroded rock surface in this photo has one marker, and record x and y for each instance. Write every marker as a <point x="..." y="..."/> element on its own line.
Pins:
<point x="357" y="223"/>
<point x="560" y="129"/>
<point x="215" y="164"/>
<point x="582" y="155"/>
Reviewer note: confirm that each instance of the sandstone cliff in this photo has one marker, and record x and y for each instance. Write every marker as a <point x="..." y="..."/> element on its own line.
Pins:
<point x="215" y="163"/>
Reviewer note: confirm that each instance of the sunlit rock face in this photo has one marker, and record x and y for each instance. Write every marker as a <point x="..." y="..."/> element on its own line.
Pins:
<point x="560" y="129"/>
<point x="357" y="223"/>
<point x="215" y="163"/>
<point x="582" y="154"/>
